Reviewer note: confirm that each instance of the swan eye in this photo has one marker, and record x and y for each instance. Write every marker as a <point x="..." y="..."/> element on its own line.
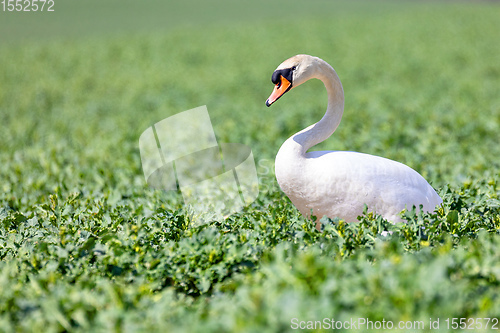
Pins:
<point x="294" y="68"/>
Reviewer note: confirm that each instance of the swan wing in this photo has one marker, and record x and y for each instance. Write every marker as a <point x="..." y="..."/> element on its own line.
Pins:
<point x="340" y="183"/>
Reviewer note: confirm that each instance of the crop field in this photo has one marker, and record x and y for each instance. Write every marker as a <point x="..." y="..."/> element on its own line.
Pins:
<point x="87" y="246"/>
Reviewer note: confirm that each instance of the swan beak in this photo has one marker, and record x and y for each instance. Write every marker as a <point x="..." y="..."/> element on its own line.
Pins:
<point x="279" y="89"/>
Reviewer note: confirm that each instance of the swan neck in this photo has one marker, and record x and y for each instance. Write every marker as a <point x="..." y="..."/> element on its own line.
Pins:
<point x="323" y="129"/>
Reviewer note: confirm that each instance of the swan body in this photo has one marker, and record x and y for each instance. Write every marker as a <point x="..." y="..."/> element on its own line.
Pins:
<point x="339" y="183"/>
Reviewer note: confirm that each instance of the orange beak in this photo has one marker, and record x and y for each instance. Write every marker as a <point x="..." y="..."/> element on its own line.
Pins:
<point x="279" y="89"/>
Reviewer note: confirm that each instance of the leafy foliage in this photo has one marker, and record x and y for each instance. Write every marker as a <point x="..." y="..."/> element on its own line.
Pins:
<point x="86" y="246"/>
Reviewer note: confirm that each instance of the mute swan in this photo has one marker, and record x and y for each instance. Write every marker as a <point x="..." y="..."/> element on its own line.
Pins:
<point x="339" y="183"/>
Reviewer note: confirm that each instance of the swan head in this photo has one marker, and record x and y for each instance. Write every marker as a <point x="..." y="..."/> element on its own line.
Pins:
<point x="292" y="73"/>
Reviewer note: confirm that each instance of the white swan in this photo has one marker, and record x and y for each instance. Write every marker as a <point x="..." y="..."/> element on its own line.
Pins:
<point x="339" y="183"/>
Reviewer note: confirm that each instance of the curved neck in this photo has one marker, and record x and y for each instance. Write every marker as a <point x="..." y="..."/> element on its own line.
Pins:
<point x="324" y="128"/>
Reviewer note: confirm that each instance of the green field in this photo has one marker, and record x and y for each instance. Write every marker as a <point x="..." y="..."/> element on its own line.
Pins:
<point x="86" y="245"/>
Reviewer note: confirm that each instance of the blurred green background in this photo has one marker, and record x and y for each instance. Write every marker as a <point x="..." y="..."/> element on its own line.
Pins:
<point x="81" y="19"/>
<point x="85" y="245"/>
